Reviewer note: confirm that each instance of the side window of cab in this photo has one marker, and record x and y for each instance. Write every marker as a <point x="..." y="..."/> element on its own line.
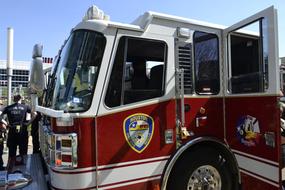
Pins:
<point x="206" y="63"/>
<point x="248" y="59"/>
<point x="138" y="71"/>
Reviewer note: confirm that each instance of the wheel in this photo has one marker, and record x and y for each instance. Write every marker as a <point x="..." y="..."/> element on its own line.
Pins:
<point x="202" y="169"/>
<point x="205" y="177"/>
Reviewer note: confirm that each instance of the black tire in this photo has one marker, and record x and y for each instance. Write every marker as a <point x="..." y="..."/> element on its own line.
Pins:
<point x="192" y="162"/>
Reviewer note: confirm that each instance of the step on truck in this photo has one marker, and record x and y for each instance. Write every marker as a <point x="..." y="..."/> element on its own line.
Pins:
<point x="163" y="103"/>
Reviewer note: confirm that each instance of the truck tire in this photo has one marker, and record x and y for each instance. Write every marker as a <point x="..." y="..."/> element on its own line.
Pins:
<point x="204" y="169"/>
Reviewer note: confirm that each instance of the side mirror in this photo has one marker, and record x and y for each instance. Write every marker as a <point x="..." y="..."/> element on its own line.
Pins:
<point x="36" y="70"/>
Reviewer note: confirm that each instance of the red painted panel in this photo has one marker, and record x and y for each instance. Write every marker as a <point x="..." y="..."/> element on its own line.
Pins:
<point x="85" y="129"/>
<point x="267" y="114"/>
<point x="112" y="145"/>
<point x="213" y="107"/>
<point x="248" y="119"/>
<point x="86" y="142"/>
<point x="252" y="183"/>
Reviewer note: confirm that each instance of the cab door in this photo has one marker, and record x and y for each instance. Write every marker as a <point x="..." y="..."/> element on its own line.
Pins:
<point x="135" y="126"/>
<point x="252" y="116"/>
<point x="199" y="57"/>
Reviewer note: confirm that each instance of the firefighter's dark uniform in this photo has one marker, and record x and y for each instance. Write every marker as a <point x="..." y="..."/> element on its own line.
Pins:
<point x="18" y="134"/>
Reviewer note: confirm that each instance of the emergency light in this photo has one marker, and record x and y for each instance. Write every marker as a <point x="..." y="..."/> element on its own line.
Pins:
<point x="95" y="13"/>
<point x="184" y="32"/>
<point x="64" y="121"/>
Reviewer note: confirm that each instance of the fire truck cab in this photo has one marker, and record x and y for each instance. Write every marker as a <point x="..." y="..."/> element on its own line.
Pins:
<point x="164" y="103"/>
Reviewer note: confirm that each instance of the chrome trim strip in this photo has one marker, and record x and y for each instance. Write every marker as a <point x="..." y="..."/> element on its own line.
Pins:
<point x="255" y="157"/>
<point x="135" y="162"/>
<point x="264" y="170"/>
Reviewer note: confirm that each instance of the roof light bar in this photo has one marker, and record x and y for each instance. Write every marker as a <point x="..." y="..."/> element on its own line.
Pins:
<point x="94" y="13"/>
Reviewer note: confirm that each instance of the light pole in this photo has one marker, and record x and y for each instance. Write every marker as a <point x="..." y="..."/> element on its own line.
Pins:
<point x="10" y="44"/>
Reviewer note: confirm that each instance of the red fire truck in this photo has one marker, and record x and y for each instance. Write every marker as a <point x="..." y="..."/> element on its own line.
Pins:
<point x="163" y="103"/>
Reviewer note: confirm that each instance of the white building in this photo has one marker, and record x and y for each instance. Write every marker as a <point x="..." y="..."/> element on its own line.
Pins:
<point x="20" y="76"/>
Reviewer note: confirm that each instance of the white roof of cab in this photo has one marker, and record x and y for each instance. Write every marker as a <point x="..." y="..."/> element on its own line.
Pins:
<point x="143" y="21"/>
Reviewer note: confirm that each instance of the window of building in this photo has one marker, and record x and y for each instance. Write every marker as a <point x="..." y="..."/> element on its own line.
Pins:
<point x="138" y="71"/>
<point x="3" y="71"/>
<point x="19" y="77"/>
<point x="206" y="63"/>
<point x="20" y="72"/>
<point x="3" y="77"/>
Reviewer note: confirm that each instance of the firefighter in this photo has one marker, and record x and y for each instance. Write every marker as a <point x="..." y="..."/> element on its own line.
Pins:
<point x="17" y="134"/>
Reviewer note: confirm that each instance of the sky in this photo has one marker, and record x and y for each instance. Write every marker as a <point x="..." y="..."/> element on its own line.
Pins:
<point x="49" y="21"/>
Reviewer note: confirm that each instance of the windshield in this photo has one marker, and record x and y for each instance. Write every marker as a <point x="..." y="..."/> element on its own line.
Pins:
<point x="77" y="71"/>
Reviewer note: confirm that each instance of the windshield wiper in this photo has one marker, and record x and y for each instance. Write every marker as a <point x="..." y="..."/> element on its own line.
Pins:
<point x="51" y="83"/>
